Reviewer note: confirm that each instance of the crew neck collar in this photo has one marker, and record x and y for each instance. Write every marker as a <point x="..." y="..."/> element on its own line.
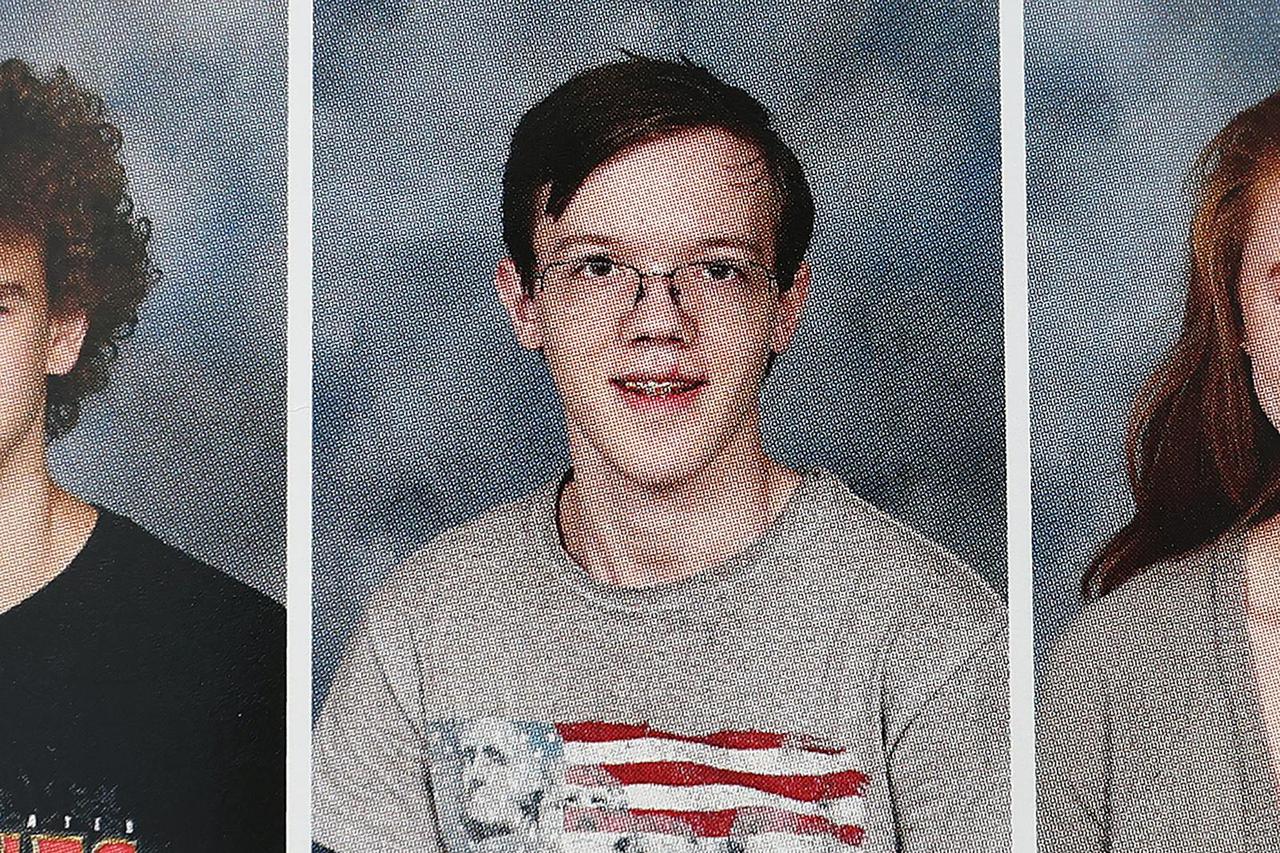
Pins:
<point x="695" y="592"/>
<point x="102" y="524"/>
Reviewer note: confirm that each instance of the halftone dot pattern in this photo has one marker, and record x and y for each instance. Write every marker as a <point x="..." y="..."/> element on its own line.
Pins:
<point x="189" y="439"/>
<point x="1150" y="734"/>
<point x="1121" y="97"/>
<point x="838" y="628"/>
<point x="427" y="411"/>
<point x="1260" y="298"/>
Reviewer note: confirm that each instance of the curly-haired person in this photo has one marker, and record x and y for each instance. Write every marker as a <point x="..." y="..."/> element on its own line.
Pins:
<point x="142" y="691"/>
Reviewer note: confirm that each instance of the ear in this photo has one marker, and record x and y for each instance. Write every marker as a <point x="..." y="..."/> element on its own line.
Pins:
<point x="66" y="336"/>
<point x="523" y="309"/>
<point x="790" y="308"/>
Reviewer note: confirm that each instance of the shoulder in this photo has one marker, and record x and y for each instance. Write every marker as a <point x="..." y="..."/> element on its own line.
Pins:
<point x="164" y="584"/>
<point x="1161" y="611"/>
<point x="493" y="556"/>
<point x="915" y="612"/>
<point x="1129" y="705"/>
<point x="1153" y="636"/>
<point x="921" y="628"/>
<point x="913" y="577"/>
<point x="150" y="613"/>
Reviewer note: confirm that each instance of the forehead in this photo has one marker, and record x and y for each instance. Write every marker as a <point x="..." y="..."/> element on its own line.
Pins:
<point x="692" y="187"/>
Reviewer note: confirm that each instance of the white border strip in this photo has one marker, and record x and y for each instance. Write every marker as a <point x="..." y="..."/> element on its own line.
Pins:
<point x="298" y="741"/>
<point x="1017" y="425"/>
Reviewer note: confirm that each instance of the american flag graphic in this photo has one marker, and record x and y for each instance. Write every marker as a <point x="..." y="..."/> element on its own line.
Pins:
<point x="503" y="785"/>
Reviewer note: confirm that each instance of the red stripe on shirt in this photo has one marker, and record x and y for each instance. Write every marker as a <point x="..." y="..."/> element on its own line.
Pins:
<point x="811" y="789"/>
<point x="593" y="732"/>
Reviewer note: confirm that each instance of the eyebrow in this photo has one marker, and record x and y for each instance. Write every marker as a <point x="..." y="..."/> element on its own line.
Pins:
<point x="749" y="246"/>
<point x="605" y="241"/>
<point x="11" y="288"/>
<point x="583" y="240"/>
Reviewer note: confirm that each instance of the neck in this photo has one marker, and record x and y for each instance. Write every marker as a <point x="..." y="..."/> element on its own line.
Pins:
<point x="634" y="534"/>
<point x="42" y="527"/>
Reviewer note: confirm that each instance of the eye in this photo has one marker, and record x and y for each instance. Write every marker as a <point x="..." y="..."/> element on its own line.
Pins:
<point x="722" y="271"/>
<point x="595" y="266"/>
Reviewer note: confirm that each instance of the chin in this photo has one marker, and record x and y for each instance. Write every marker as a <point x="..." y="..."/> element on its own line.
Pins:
<point x="658" y="478"/>
<point x="659" y="465"/>
<point x="656" y="452"/>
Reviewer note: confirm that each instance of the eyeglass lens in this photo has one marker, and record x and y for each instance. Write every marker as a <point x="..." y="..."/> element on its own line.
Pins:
<point x="609" y="285"/>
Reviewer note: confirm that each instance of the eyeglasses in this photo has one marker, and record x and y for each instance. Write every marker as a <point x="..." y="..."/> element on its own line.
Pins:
<point x="602" y="285"/>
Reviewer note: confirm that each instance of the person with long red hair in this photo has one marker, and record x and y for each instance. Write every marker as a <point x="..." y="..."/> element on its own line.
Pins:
<point x="1158" y="721"/>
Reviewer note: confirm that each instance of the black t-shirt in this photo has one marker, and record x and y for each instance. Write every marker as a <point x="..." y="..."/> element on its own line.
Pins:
<point x="142" y="698"/>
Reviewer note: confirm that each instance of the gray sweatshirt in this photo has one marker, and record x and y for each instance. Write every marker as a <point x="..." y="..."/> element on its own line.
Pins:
<point x="840" y="685"/>
<point x="1149" y="733"/>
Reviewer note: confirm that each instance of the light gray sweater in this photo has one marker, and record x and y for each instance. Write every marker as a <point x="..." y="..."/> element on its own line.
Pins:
<point x="1149" y="732"/>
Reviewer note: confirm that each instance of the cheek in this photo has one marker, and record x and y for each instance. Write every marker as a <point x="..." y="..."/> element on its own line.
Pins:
<point x="22" y="379"/>
<point x="577" y="355"/>
<point x="23" y="351"/>
<point x="1262" y="330"/>
<point x="1266" y="382"/>
<point x="575" y="340"/>
<point x="739" y="348"/>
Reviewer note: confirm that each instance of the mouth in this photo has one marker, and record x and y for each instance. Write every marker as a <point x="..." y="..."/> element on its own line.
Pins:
<point x="648" y="391"/>
<point x="658" y="387"/>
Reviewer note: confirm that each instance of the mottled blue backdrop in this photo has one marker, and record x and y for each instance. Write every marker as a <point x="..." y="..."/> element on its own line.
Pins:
<point x="189" y="440"/>
<point x="1121" y="96"/>
<point x="427" y="412"/>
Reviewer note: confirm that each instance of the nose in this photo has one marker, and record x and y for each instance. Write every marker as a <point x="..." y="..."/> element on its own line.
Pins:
<point x="657" y="314"/>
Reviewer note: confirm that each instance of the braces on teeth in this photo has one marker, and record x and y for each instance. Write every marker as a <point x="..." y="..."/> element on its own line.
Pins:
<point x="656" y="389"/>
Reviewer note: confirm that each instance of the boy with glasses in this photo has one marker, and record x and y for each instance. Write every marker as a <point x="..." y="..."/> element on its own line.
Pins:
<point x="141" y="692"/>
<point x="681" y="644"/>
